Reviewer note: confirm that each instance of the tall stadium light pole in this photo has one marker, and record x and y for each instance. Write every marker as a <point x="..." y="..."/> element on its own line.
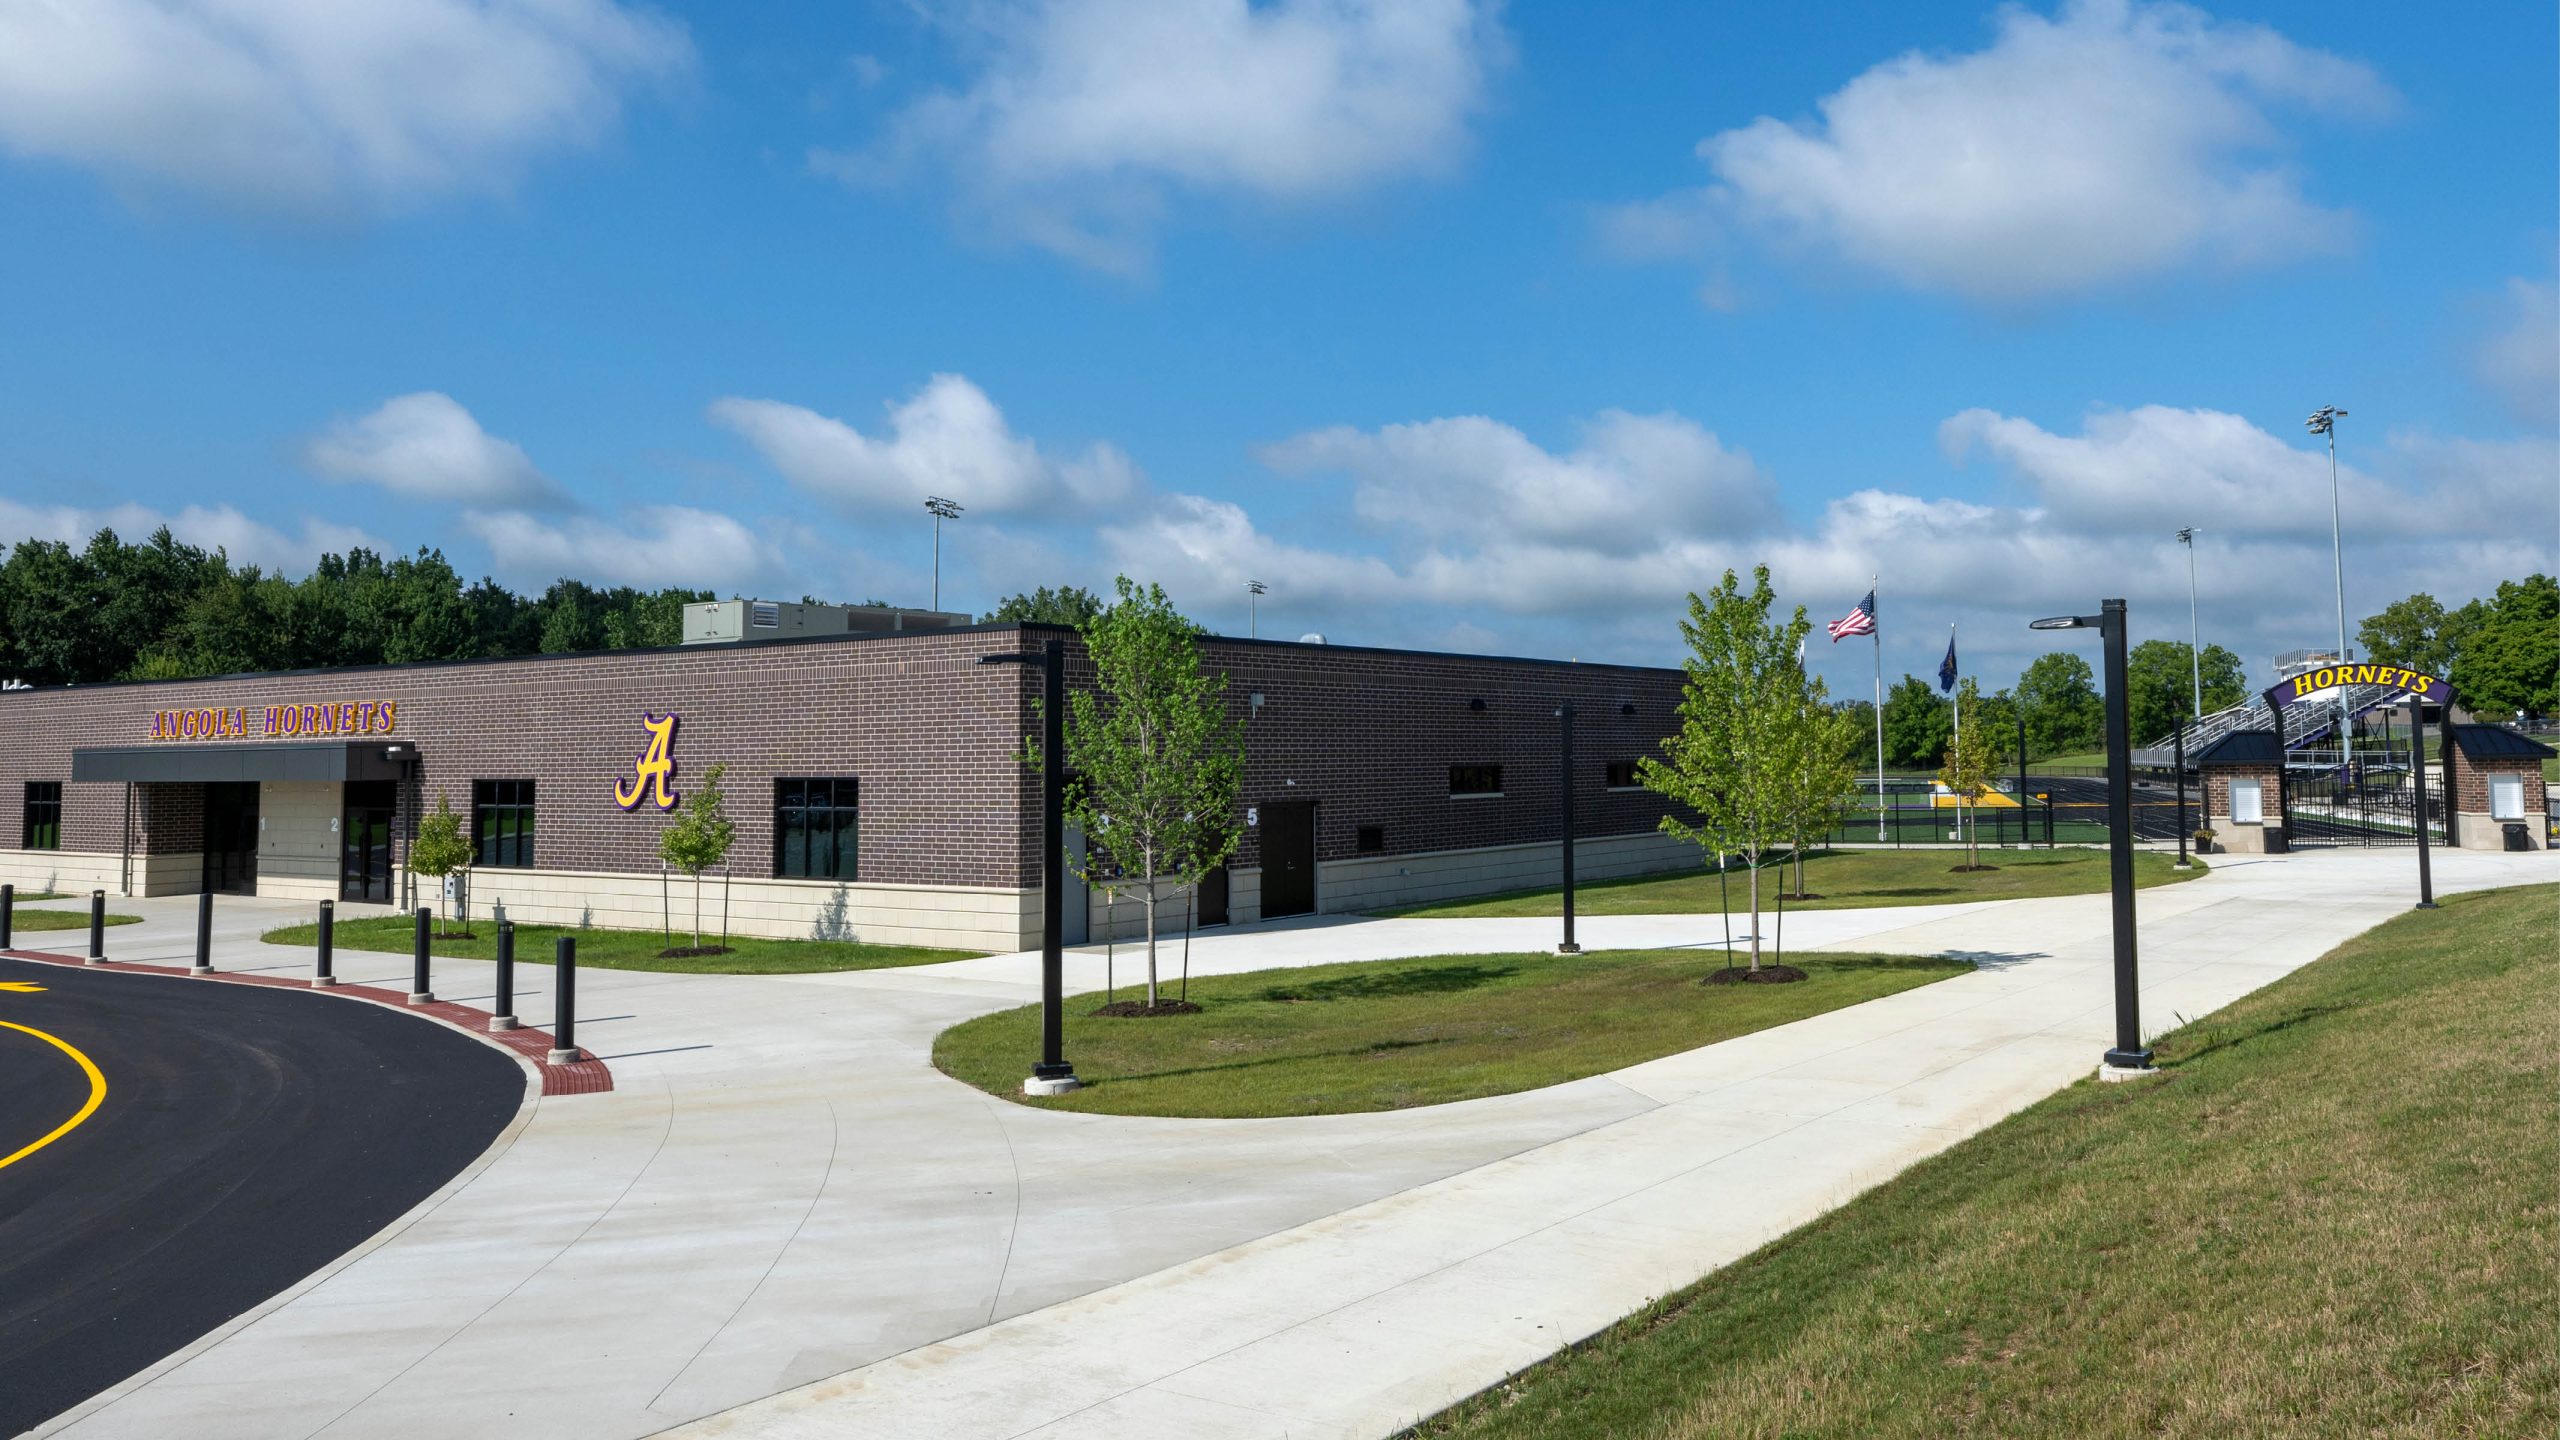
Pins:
<point x="2324" y="422"/>
<point x="941" y="510"/>
<point x="1252" y="589"/>
<point x="2127" y="1056"/>
<point x="2195" y="654"/>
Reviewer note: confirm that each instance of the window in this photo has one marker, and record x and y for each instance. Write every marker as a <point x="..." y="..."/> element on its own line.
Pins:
<point x="502" y="823"/>
<point x="1622" y="775"/>
<point x="1372" y="838"/>
<point x="2506" y="797"/>
<point x="816" y="829"/>
<point x="2248" y="805"/>
<point x="1467" y="781"/>
<point x="44" y="815"/>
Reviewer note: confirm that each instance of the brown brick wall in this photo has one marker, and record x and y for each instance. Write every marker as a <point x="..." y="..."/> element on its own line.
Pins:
<point x="2217" y="789"/>
<point x="932" y="735"/>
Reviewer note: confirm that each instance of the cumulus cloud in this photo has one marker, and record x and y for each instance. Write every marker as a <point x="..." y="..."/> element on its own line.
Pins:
<point x="948" y="439"/>
<point x="1085" y="115"/>
<point x="284" y="106"/>
<point x="2521" y="362"/>
<point x="219" y="527"/>
<point x="427" y="447"/>
<point x="654" y="546"/>
<point x="2113" y="140"/>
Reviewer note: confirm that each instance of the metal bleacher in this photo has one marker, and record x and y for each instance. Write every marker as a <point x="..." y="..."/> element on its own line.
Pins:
<point x="2306" y="722"/>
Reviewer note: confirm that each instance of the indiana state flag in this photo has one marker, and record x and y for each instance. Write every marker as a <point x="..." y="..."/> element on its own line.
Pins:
<point x="1947" y="667"/>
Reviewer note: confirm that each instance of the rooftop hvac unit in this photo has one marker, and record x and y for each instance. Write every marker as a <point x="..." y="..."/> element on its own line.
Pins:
<point x="765" y="615"/>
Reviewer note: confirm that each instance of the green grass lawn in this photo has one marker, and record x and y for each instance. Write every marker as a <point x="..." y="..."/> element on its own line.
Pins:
<point x="1383" y="1035"/>
<point x="1845" y="879"/>
<point x="2335" y="1215"/>
<point x="625" y="949"/>
<point x="42" y="895"/>
<point x="63" y="919"/>
<point x="2093" y="760"/>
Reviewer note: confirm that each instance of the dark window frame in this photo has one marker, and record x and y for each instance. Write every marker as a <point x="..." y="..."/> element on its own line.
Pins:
<point x="40" y="818"/>
<point x="1370" y="840"/>
<point x="803" y="848"/>
<point x="1475" y="782"/>
<point x="1626" y="768"/>
<point x="502" y="824"/>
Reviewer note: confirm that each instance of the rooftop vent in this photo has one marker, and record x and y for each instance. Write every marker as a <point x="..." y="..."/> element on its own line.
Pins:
<point x="765" y="615"/>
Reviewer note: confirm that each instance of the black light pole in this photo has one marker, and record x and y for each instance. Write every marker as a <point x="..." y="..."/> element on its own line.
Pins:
<point x="419" y="994"/>
<point x="8" y="915"/>
<point x="2178" y="741"/>
<point x="323" y="970"/>
<point x="2022" y="777"/>
<point x="2128" y="1053"/>
<point x="1564" y="740"/>
<point x="564" y="1010"/>
<point x="97" y="927"/>
<point x="204" y="934"/>
<point x="503" y="1014"/>
<point x="1051" y="1074"/>
<point x="2418" y="777"/>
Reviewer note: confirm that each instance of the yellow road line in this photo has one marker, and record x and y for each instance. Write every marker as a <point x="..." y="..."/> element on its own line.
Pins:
<point x="97" y="1093"/>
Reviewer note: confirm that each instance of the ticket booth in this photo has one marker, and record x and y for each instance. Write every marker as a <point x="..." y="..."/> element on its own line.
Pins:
<point x="2494" y="790"/>
<point x="2242" y="775"/>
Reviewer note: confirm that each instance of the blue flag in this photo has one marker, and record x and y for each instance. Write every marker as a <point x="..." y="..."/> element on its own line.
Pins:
<point x="1947" y="667"/>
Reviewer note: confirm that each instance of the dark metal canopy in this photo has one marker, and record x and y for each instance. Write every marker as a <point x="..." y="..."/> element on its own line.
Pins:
<point x="2496" y="742"/>
<point x="203" y="763"/>
<point x="2243" y="747"/>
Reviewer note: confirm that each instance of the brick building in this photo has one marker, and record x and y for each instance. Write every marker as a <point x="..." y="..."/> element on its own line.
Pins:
<point x="2242" y="775"/>
<point x="876" y="781"/>
<point x="2492" y="780"/>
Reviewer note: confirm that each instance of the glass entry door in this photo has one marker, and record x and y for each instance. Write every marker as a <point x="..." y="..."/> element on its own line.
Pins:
<point x="364" y="836"/>
<point x="231" y="837"/>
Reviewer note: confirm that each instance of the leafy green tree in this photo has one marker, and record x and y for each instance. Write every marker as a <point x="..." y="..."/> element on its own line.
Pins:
<point x="654" y="619"/>
<point x="700" y="837"/>
<point x="1916" y="722"/>
<point x="1827" y="745"/>
<point x="2159" y="686"/>
<point x="1157" y="758"/>
<point x="2509" y="655"/>
<point x="2415" y="631"/>
<point x="2065" y="713"/>
<point x="1972" y="758"/>
<point x="440" y="847"/>
<point x="1736" y="761"/>
<point x="1066" y="605"/>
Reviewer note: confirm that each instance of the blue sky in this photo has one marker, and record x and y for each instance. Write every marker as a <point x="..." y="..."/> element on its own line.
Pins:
<point x="1459" y="326"/>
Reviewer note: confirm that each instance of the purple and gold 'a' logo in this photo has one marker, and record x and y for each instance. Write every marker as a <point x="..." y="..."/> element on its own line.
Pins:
<point x="653" y="773"/>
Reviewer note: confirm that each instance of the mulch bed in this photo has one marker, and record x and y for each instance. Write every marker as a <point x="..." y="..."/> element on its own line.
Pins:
<point x="692" y="952"/>
<point x="1140" y="1009"/>
<point x="1765" y="975"/>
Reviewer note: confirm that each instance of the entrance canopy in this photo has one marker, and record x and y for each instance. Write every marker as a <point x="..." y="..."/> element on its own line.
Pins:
<point x="206" y="763"/>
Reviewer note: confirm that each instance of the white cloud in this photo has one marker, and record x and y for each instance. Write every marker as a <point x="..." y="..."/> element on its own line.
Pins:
<point x="655" y="546"/>
<point x="219" y="527"/>
<point x="2114" y="140"/>
<point x="1085" y="114"/>
<point x="1477" y="479"/>
<point x="427" y="447"/>
<point x="297" y="107"/>
<point x="948" y="439"/>
<point x="2521" y="362"/>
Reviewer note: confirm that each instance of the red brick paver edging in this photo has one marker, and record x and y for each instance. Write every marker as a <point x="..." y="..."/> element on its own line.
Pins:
<point x="586" y="1075"/>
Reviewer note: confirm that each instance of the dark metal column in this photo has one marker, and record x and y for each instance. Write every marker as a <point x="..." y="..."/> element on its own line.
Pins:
<point x="1564" y="734"/>
<point x="2179" y="744"/>
<point x="502" y="1014"/>
<point x="204" y="935"/>
<point x="97" y="927"/>
<point x="2418" y="779"/>
<point x="419" y="993"/>
<point x="2128" y="1053"/>
<point x="324" y="973"/>
<point x="564" y="1014"/>
<point x="1053" y="1064"/>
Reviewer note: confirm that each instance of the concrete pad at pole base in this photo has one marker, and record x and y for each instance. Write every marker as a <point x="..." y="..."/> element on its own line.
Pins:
<point x="1034" y="1085"/>
<point x="502" y="1022"/>
<point x="322" y="982"/>
<point x="565" y="1057"/>
<point x="2112" y="1074"/>
<point x="422" y="997"/>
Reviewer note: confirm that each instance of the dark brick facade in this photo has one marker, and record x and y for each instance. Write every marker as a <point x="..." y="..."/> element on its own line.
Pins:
<point x="933" y="736"/>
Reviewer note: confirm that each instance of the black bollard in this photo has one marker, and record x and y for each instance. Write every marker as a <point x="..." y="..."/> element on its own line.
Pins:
<point x="325" y="974"/>
<point x="8" y="915"/>
<point x="564" y="1016"/>
<point x="419" y="994"/>
<point x="97" y="927"/>
<point x="204" y="935"/>
<point x="503" y="1015"/>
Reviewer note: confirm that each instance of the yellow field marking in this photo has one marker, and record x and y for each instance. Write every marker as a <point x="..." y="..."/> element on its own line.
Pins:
<point x="23" y="987"/>
<point x="97" y="1093"/>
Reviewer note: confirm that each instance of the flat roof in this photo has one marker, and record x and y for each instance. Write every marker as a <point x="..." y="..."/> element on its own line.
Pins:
<point x="338" y="761"/>
<point x="858" y="638"/>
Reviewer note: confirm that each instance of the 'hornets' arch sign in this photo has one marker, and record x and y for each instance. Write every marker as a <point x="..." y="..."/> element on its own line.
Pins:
<point x="2416" y="684"/>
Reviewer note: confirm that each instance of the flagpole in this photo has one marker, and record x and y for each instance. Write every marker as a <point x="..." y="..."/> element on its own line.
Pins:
<point x="1875" y="632"/>
<point x="1955" y="703"/>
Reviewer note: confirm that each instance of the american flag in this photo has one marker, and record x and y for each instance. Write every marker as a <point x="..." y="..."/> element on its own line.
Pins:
<point x="1861" y="621"/>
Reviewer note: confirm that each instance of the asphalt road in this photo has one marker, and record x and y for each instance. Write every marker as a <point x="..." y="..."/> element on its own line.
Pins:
<point x="247" y="1137"/>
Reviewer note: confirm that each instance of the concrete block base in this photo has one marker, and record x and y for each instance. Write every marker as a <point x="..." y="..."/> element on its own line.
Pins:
<point x="564" y="1057"/>
<point x="502" y="1022"/>
<point x="94" y="960"/>
<point x="322" y="982"/>
<point x="422" y="997"/>
<point x="1060" y="1086"/>
<point x="199" y="969"/>
<point x="1568" y="949"/>
<point x="2114" y="1074"/>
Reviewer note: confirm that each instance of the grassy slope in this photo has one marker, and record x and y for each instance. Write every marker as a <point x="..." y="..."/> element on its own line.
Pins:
<point x="2335" y="1215"/>
<point x="625" y="949"/>
<point x="63" y="920"/>
<point x="1845" y="879"/>
<point x="1383" y="1035"/>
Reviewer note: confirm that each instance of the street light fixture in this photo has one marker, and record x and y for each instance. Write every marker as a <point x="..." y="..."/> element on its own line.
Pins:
<point x="2324" y="422"/>
<point x="2129" y="1057"/>
<point x="941" y="510"/>
<point x="2195" y="661"/>
<point x="1051" y="1075"/>
<point x="1252" y="588"/>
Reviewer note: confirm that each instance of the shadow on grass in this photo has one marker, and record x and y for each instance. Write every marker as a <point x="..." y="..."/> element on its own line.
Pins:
<point x="1996" y="959"/>
<point x="1430" y="980"/>
<point x="2221" y="1040"/>
<point x="1225" y="1067"/>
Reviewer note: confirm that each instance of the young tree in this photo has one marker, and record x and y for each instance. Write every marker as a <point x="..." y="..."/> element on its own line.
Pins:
<point x="1826" y="744"/>
<point x="1970" y="763"/>
<point x="1734" y="761"/>
<point x="440" y="848"/>
<point x="1156" y="757"/>
<point x="700" y="837"/>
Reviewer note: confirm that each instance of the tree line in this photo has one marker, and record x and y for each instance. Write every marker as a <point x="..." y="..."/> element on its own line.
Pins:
<point x="2501" y="653"/>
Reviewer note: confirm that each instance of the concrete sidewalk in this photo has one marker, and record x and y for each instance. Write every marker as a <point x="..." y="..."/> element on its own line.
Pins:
<point x="784" y="1197"/>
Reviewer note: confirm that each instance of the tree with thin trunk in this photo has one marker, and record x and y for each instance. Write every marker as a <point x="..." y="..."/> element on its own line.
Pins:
<point x="440" y="848"/>
<point x="1733" y="763"/>
<point x="1158" y="761"/>
<point x="1973" y="757"/>
<point x="700" y="837"/>
<point x="1827" y="746"/>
